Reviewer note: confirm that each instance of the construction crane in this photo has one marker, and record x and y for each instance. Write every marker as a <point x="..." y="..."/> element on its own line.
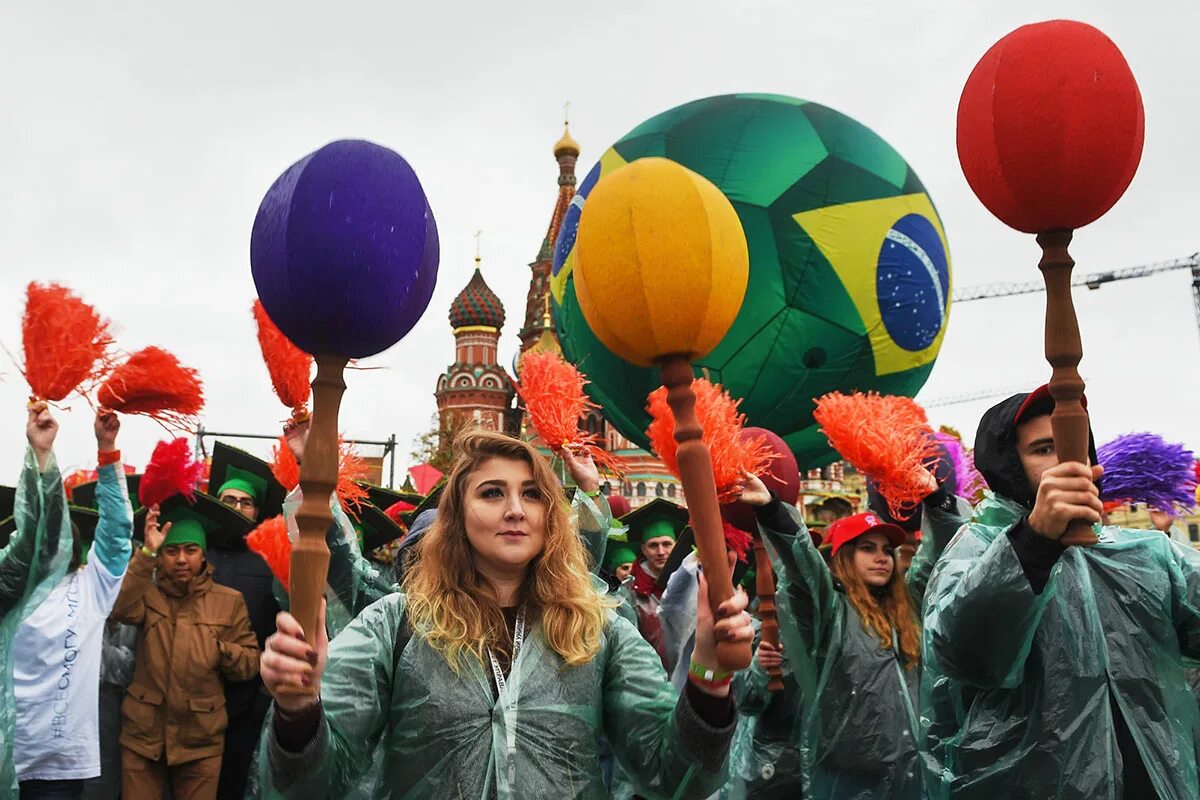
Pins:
<point x="1092" y="280"/>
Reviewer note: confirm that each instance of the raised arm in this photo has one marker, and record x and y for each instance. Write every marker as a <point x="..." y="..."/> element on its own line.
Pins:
<point x="319" y="750"/>
<point x="130" y="607"/>
<point x="42" y="541"/>
<point x="942" y="517"/>
<point x="114" y="531"/>
<point x="812" y="604"/>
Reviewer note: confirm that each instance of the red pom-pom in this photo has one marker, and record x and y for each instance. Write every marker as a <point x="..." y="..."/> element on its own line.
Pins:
<point x="288" y="365"/>
<point x="171" y="471"/>
<point x="396" y="511"/>
<point x="736" y="540"/>
<point x="284" y="465"/>
<point x="270" y="540"/>
<point x="885" y="438"/>
<point x="552" y="391"/>
<point x="731" y="454"/>
<point x="66" y="342"/>
<point x="1050" y="126"/>
<point x="153" y="383"/>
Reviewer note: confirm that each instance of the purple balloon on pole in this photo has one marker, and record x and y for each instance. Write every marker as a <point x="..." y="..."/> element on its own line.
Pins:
<point x="344" y="250"/>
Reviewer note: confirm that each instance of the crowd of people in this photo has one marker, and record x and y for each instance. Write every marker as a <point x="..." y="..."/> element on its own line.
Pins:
<point x="537" y="640"/>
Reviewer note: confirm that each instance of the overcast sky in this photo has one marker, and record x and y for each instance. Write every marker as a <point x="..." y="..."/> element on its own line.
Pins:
<point x="137" y="139"/>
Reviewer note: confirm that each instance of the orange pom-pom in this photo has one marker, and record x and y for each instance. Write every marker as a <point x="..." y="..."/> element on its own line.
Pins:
<point x="284" y="466"/>
<point x="886" y="438"/>
<point x="154" y="384"/>
<point x="288" y="365"/>
<point x="270" y="540"/>
<point x="171" y="471"/>
<point x="552" y="391"/>
<point x="66" y="342"/>
<point x="351" y="470"/>
<point x="722" y="424"/>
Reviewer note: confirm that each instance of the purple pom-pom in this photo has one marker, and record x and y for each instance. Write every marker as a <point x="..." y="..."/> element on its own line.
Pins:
<point x="1142" y="468"/>
<point x="970" y="483"/>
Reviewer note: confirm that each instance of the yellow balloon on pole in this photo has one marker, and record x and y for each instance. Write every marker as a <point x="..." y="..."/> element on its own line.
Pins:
<point x="661" y="263"/>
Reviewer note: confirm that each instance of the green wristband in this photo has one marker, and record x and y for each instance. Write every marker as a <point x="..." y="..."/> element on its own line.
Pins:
<point x="708" y="675"/>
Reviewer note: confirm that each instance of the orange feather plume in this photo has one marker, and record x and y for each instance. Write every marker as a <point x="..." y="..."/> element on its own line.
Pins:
<point x="271" y="541"/>
<point x="552" y="391"/>
<point x="284" y="466"/>
<point x="886" y="438"/>
<point x="288" y="365"/>
<point x="171" y="471"/>
<point x="722" y="424"/>
<point x="66" y="342"/>
<point x="153" y="383"/>
<point x="351" y="470"/>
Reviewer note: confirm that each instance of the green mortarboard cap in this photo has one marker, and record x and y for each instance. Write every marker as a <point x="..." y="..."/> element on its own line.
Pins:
<point x="654" y="519"/>
<point x="618" y="554"/>
<point x="244" y="481"/>
<point x="188" y="527"/>
<point x="231" y="464"/>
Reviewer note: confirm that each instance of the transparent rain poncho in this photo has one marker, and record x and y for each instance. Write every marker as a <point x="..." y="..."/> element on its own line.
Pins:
<point x="549" y="738"/>
<point x="1019" y="688"/>
<point x="857" y="729"/>
<point x="31" y="564"/>
<point x="443" y="734"/>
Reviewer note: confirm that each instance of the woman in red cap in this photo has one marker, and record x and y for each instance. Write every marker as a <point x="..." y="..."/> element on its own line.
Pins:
<point x="850" y="631"/>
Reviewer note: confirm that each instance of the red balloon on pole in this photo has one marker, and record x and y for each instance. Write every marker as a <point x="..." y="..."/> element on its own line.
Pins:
<point x="1050" y="126"/>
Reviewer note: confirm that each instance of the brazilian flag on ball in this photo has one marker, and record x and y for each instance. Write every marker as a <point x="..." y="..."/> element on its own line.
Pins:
<point x="849" y="265"/>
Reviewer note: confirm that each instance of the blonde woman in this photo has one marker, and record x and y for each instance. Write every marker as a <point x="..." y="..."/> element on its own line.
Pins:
<point x="495" y="671"/>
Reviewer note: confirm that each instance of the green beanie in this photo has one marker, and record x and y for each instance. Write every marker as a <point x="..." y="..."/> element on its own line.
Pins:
<point x="659" y="527"/>
<point x="617" y="555"/>
<point x="244" y="481"/>
<point x="188" y="527"/>
<point x="186" y="531"/>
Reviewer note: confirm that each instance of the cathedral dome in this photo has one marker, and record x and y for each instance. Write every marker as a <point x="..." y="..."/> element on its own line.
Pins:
<point x="477" y="305"/>
<point x="566" y="145"/>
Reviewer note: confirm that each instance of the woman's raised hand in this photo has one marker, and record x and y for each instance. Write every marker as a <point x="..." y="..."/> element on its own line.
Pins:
<point x="289" y="663"/>
<point x="730" y="623"/>
<point x="582" y="468"/>
<point x="754" y="491"/>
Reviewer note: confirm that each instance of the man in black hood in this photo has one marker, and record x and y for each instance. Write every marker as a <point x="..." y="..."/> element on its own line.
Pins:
<point x="1052" y="671"/>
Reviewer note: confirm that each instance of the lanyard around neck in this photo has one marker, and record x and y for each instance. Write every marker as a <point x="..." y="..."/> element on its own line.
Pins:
<point x="518" y="640"/>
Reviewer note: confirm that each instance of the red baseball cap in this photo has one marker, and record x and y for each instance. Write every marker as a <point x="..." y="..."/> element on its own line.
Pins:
<point x="1039" y="398"/>
<point x="848" y="529"/>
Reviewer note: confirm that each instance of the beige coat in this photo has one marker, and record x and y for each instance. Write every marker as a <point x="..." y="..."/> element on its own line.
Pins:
<point x="187" y="643"/>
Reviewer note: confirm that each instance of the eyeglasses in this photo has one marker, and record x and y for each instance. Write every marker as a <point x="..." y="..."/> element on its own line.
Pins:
<point x="238" y="502"/>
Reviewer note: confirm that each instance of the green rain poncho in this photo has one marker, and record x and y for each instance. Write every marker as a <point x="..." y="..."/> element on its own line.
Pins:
<point x="857" y="735"/>
<point x="1070" y="692"/>
<point x="1018" y="687"/>
<point x="445" y="736"/>
<point x="32" y="562"/>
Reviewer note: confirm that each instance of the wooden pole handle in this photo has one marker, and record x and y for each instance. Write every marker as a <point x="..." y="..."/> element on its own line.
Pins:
<point x="696" y="474"/>
<point x="1064" y="350"/>
<point x="764" y="586"/>
<point x="318" y="480"/>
